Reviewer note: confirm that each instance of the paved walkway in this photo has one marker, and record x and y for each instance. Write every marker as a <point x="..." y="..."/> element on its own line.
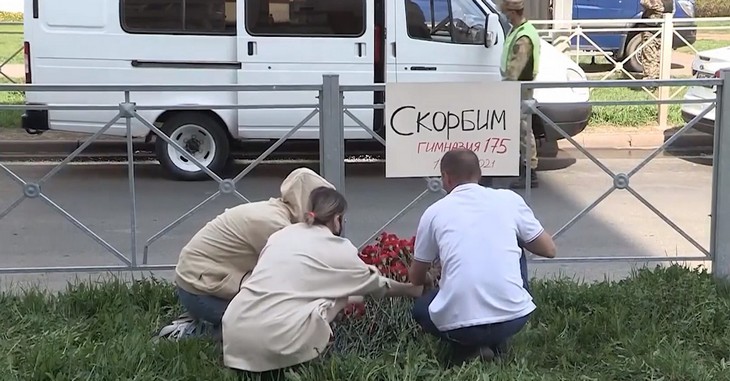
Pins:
<point x="14" y="70"/>
<point x="34" y="235"/>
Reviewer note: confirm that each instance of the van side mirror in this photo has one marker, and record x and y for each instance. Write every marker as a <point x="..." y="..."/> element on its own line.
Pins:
<point x="491" y="35"/>
<point x="488" y="38"/>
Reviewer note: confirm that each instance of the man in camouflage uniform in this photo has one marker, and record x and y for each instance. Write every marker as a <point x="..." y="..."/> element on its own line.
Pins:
<point x="520" y="61"/>
<point x="650" y="55"/>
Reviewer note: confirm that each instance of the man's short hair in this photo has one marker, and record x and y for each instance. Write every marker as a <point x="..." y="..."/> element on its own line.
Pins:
<point x="461" y="165"/>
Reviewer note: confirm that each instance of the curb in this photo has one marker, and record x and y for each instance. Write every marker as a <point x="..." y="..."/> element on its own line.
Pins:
<point x="68" y="146"/>
<point x="690" y="140"/>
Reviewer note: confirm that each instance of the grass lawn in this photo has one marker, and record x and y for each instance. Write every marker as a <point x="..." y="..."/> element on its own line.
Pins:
<point x="667" y="324"/>
<point x="11" y="42"/>
<point x="716" y="24"/>
<point x="703" y="45"/>
<point x="631" y="116"/>
<point x="10" y="118"/>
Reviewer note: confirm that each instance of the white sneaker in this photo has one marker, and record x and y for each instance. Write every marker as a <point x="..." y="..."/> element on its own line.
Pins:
<point x="178" y="329"/>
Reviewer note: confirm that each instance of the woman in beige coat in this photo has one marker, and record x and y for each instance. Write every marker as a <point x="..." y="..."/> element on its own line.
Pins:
<point x="213" y="264"/>
<point x="304" y="277"/>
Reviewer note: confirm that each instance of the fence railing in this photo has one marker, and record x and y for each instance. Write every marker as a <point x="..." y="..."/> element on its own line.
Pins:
<point x="15" y="52"/>
<point x="332" y="109"/>
<point x="577" y="38"/>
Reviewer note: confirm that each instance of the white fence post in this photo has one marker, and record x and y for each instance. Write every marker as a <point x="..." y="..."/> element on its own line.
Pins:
<point x="665" y="68"/>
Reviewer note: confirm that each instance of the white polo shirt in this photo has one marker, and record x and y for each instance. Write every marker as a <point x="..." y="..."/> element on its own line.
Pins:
<point x="473" y="231"/>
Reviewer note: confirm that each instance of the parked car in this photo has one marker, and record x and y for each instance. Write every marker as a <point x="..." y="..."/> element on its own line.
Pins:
<point x="707" y="64"/>
<point x="265" y="42"/>
<point x="624" y="43"/>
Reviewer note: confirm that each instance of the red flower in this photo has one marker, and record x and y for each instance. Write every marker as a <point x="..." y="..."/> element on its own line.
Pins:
<point x="391" y="255"/>
<point x="354" y="309"/>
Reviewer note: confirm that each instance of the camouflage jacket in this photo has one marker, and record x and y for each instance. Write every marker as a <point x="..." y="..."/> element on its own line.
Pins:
<point x="653" y="6"/>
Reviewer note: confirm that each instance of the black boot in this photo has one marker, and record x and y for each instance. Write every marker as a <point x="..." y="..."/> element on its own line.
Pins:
<point x="520" y="182"/>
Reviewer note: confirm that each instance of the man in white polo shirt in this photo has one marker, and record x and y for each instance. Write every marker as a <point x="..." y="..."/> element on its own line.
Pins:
<point x="478" y="235"/>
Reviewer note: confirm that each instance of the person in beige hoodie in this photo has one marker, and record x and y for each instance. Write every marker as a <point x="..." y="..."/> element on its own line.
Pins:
<point x="306" y="275"/>
<point x="213" y="264"/>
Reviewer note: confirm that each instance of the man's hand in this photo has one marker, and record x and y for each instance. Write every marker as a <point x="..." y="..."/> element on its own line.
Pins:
<point x="415" y="291"/>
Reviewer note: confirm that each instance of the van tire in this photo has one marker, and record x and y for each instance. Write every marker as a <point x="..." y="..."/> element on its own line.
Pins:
<point x="633" y="42"/>
<point x="202" y="136"/>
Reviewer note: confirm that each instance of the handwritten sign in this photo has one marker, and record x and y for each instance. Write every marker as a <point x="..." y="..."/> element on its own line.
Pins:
<point x="426" y="120"/>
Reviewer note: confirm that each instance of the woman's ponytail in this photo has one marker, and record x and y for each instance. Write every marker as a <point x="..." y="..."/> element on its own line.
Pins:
<point x="324" y="204"/>
<point x="309" y="218"/>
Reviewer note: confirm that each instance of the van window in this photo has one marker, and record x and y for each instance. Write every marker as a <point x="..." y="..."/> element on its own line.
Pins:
<point x="178" y="16"/>
<point x="448" y="21"/>
<point x="306" y="18"/>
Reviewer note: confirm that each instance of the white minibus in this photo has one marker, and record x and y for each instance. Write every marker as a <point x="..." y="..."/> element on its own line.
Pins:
<point x="264" y="42"/>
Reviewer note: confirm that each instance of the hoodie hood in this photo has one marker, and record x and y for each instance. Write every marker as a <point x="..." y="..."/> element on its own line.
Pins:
<point x="296" y="188"/>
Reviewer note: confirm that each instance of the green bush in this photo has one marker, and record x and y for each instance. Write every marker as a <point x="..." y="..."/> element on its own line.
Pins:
<point x="11" y="16"/>
<point x="668" y="324"/>
<point x="713" y="8"/>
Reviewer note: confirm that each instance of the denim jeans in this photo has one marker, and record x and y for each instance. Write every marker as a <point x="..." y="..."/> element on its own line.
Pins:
<point x="205" y="308"/>
<point x="463" y="340"/>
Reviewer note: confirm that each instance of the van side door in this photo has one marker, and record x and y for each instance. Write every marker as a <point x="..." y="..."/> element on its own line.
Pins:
<point x="443" y="40"/>
<point x="296" y="42"/>
<point x="604" y="10"/>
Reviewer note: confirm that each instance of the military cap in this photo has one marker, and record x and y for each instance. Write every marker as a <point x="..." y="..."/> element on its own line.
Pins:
<point x="513" y="5"/>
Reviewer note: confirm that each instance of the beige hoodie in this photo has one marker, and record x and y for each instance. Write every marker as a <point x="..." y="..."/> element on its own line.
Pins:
<point x="217" y="258"/>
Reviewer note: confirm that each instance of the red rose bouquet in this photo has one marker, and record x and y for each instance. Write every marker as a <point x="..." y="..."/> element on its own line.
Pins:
<point x="392" y="256"/>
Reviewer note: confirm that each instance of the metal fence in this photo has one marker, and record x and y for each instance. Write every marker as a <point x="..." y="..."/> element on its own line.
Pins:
<point x="332" y="109"/>
<point x="577" y="39"/>
<point x="15" y="53"/>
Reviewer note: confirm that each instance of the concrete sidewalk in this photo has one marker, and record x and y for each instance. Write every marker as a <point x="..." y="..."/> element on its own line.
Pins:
<point x="14" y="70"/>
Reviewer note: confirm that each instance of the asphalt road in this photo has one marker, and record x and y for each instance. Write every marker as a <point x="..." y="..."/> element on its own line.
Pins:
<point x="97" y="194"/>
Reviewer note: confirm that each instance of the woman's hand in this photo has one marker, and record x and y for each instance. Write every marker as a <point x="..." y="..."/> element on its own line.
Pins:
<point x="397" y="289"/>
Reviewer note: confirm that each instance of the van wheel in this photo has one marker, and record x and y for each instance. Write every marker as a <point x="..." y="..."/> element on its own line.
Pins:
<point x="634" y="64"/>
<point x="202" y="137"/>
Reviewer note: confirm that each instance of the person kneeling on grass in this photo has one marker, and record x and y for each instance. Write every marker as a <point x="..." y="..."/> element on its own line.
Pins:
<point x="215" y="261"/>
<point x="306" y="275"/>
<point x="477" y="235"/>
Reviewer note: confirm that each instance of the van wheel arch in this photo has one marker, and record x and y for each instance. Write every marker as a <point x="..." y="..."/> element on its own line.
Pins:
<point x="632" y="41"/>
<point x="165" y="115"/>
<point x="204" y="126"/>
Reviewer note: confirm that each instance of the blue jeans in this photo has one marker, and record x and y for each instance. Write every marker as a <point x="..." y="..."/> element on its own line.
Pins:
<point x="464" y="340"/>
<point x="205" y="308"/>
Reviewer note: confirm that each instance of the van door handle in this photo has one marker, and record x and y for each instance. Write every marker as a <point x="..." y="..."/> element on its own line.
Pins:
<point x="423" y="68"/>
<point x="251" y="48"/>
<point x="360" y="49"/>
<point x="392" y="47"/>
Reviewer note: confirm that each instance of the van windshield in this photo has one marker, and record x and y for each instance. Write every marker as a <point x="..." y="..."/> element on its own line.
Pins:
<point x="503" y="20"/>
<point x="490" y="4"/>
